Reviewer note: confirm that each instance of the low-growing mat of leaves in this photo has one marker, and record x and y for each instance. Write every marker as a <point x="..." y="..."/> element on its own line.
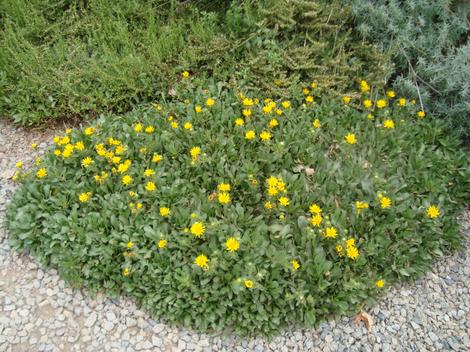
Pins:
<point x="219" y="211"/>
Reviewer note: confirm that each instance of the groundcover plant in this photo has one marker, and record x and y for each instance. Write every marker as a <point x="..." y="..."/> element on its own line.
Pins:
<point x="219" y="211"/>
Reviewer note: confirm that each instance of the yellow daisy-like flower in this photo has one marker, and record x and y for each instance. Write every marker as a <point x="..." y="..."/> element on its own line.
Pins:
<point x="150" y="186"/>
<point x="248" y="283"/>
<point x="350" y="138"/>
<point x="224" y="198"/>
<point x="272" y="181"/>
<point x="210" y="102"/>
<point x="331" y="232"/>
<point x="165" y="211"/>
<point x="247" y="102"/>
<point x="132" y="194"/>
<point x="350" y="242"/>
<point x="197" y="229"/>
<point x="381" y="103"/>
<point x="367" y="103"/>
<point x="267" y="109"/>
<point x="272" y="191"/>
<point x="188" y="126"/>
<point x="87" y="161"/>
<point x="339" y="250"/>
<point x="185" y="74"/>
<point x="19" y="165"/>
<point x="195" y="152"/>
<point x="391" y="94"/>
<point x="84" y="197"/>
<point x="198" y="109"/>
<point x="421" y="114"/>
<point x="156" y="158"/>
<point x="380" y="283"/>
<point x="385" y="202"/>
<point x="352" y="252"/>
<point x="246" y="112"/>
<point x="232" y="244"/>
<point x="162" y="243"/>
<point x="432" y="212"/>
<point x="202" y="261"/>
<point x="265" y="136"/>
<point x="38" y="161"/>
<point x="127" y="180"/>
<point x="79" y="146"/>
<point x="269" y="205"/>
<point x="239" y="122"/>
<point x="361" y="206"/>
<point x="34" y="145"/>
<point x="149" y="172"/>
<point x="174" y="125"/>
<point x="130" y="245"/>
<point x="41" y="173"/>
<point x="273" y="123"/>
<point x="224" y="187"/>
<point x="249" y="135"/>
<point x="149" y="129"/>
<point x="295" y="264"/>
<point x="315" y="209"/>
<point x="284" y="201"/>
<point x="402" y="102"/>
<point x="316" y="220"/>
<point x="389" y="124"/>
<point x="89" y="131"/>
<point x="364" y="86"/>
<point x="316" y="123"/>
<point x="309" y="99"/>
<point x="346" y="99"/>
<point x="306" y="91"/>
<point x="126" y="272"/>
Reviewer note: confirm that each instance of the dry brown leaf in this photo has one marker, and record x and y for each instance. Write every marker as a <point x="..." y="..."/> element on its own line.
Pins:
<point x="366" y="318"/>
<point x="172" y="92"/>
<point x="299" y="168"/>
<point x="309" y="171"/>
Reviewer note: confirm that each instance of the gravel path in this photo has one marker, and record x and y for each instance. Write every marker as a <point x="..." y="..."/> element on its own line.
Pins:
<point x="38" y="312"/>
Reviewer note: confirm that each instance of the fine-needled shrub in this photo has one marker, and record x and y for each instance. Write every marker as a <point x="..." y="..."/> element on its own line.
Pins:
<point x="76" y="59"/>
<point x="217" y="210"/>
<point x="429" y="43"/>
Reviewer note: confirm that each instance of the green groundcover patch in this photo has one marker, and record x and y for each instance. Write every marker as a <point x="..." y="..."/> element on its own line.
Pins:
<point x="219" y="211"/>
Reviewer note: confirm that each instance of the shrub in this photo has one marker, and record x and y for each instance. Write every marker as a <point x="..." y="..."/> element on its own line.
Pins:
<point x="77" y="59"/>
<point x="220" y="211"/>
<point x="429" y="42"/>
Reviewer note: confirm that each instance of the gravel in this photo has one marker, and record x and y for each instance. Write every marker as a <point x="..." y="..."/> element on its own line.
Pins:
<point x="40" y="312"/>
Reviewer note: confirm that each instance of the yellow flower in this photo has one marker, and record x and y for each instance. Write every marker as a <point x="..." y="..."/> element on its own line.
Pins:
<point x="350" y="242"/>
<point x="156" y="158"/>
<point x="316" y="220"/>
<point x="346" y="99"/>
<point x="130" y="245"/>
<point x="370" y="116"/>
<point x="84" y="197"/>
<point x="313" y="85"/>
<point x="239" y="122"/>
<point x="367" y="103"/>
<point x="246" y="112"/>
<point x="364" y="86"/>
<point x="194" y="152"/>
<point x="224" y="187"/>
<point x="165" y="212"/>
<point x="295" y="264"/>
<point x="162" y="243"/>
<point x="381" y="103"/>
<point x="350" y="138"/>
<point x="389" y="124"/>
<point x="267" y="109"/>
<point x="150" y="186"/>
<point x="202" y="261"/>
<point x="210" y="102"/>
<point x="331" y="232"/>
<point x="41" y="173"/>
<point x="361" y="206"/>
<point x="315" y="209"/>
<point x="79" y="146"/>
<point x="87" y="161"/>
<point x="198" y="109"/>
<point x="432" y="212"/>
<point x="34" y="145"/>
<point x="279" y="112"/>
<point x="316" y="123"/>
<point x="380" y="283"/>
<point x="390" y="94"/>
<point x="272" y="181"/>
<point x="402" y="102"/>
<point x="89" y="131"/>
<point x="250" y="135"/>
<point x="198" y="229"/>
<point x="132" y="194"/>
<point x="115" y="159"/>
<point x="185" y="74"/>
<point x="19" y="165"/>
<point x="38" y="161"/>
<point x="286" y="104"/>
<point x="248" y="283"/>
<point x="306" y="91"/>
<point x="272" y="191"/>
<point x="139" y="205"/>
<point x="281" y="186"/>
<point x="149" y="129"/>
<point x="385" y="202"/>
<point x="269" y="205"/>
<point x="126" y="180"/>
<point x="265" y="136"/>
<point x="232" y="244"/>
<point x="352" y="252"/>
<point x="224" y="198"/>
<point x="273" y="123"/>
<point x="57" y="152"/>
<point x="284" y="201"/>
<point x="138" y="127"/>
<point x="247" y="102"/>
<point x="149" y="172"/>
<point x="126" y="272"/>
<point x="188" y="126"/>
<point x="421" y="114"/>
<point x="309" y="99"/>
<point x="174" y="125"/>
<point x="339" y="250"/>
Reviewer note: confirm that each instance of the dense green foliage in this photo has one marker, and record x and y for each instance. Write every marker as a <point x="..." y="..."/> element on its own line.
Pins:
<point x="386" y="203"/>
<point x="429" y="41"/>
<point x="80" y="58"/>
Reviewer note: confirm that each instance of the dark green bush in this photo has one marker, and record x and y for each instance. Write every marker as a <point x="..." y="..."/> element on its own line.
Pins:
<point x="79" y="58"/>
<point x="429" y="41"/>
